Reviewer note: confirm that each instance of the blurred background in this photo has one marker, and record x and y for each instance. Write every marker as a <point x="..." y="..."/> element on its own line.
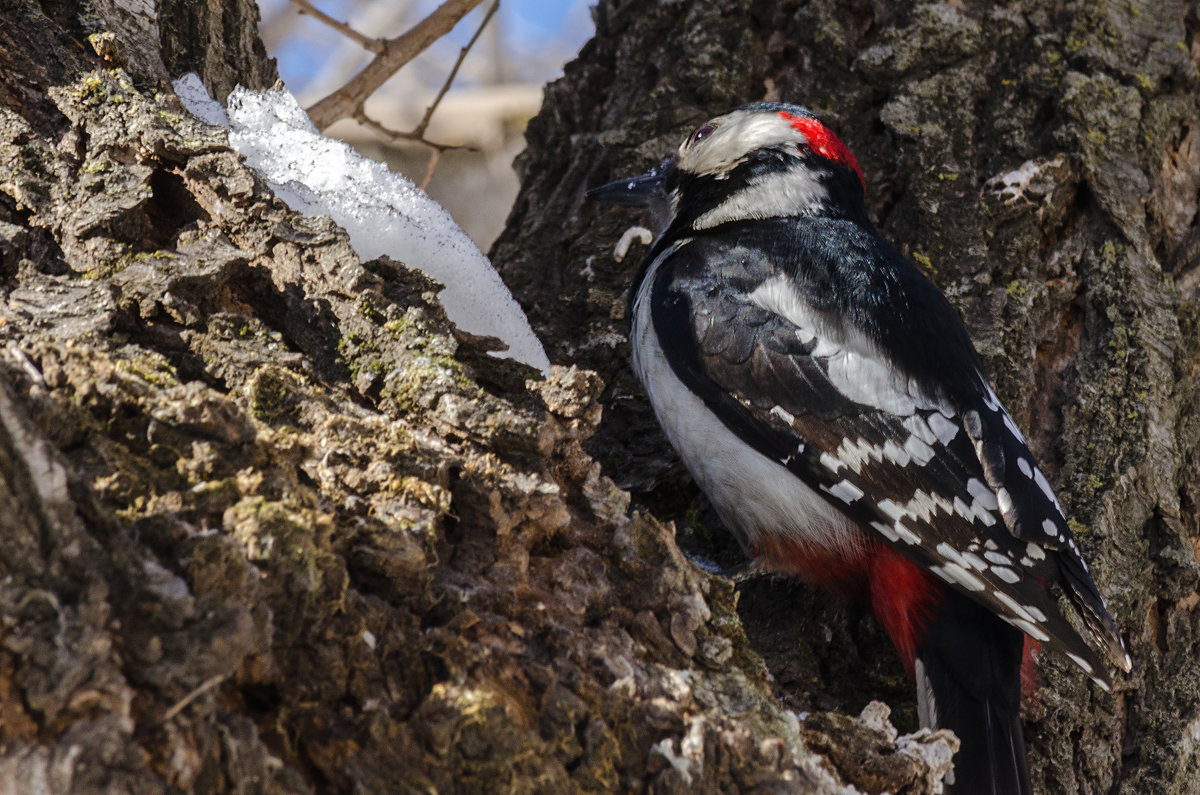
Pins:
<point x="497" y="89"/>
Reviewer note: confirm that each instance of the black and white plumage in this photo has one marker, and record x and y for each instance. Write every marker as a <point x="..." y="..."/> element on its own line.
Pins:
<point x="827" y="399"/>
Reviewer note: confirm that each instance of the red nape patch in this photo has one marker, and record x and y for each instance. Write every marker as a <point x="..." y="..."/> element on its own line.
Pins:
<point x="903" y="596"/>
<point x="822" y="141"/>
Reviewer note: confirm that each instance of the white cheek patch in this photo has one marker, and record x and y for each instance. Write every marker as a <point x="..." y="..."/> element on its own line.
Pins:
<point x="780" y="193"/>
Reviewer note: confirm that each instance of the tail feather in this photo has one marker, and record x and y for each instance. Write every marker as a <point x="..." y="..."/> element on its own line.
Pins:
<point x="968" y="672"/>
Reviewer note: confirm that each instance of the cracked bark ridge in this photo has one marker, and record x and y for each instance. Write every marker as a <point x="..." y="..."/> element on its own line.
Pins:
<point x="271" y="525"/>
<point x="1042" y="165"/>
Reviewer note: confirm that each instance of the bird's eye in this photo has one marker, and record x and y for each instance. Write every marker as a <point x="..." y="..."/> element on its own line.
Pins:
<point x="701" y="134"/>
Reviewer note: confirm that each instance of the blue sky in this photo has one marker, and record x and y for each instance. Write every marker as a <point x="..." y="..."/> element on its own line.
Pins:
<point x="548" y="17"/>
<point x="538" y="36"/>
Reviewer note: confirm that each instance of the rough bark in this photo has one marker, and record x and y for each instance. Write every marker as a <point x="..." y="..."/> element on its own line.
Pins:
<point x="1041" y="162"/>
<point x="270" y="525"/>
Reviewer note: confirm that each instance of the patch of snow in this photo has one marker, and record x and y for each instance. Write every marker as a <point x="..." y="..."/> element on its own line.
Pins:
<point x="384" y="213"/>
<point x="198" y="101"/>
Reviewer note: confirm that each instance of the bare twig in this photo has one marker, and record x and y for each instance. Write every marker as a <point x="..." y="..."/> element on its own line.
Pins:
<point x="420" y="128"/>
<point x="362" y="118"/>
<point x="434" y="157"/>
<point x="349" y="99"/>
<point x="376" y="46"/>
<point x="418" y="133"/>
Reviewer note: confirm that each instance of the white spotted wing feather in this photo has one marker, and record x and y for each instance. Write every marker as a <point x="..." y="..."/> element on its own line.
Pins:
<point x="952" y="486"/>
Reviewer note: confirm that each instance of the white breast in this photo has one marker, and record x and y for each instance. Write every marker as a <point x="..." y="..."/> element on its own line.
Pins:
<point x="753" y="494"/>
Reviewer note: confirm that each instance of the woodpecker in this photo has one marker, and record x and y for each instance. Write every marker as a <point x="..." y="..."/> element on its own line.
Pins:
<point x="828" y="400"/>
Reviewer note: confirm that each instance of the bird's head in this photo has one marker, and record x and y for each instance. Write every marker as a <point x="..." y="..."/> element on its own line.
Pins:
<point x="763" y="160"/>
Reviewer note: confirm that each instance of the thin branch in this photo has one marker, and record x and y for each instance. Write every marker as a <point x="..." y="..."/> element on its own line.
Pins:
<point x="376" y="46"/>
<point x="434" y="157"/>
<point x="420" y="128"/>
<point x="418" y="133"/>
<point x="398" y="51"/>
<point x="365" y="120"/>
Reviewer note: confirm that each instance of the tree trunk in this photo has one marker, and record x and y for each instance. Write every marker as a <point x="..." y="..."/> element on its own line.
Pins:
<point x="271" y="525"/>
<point x="1042" y="165"/>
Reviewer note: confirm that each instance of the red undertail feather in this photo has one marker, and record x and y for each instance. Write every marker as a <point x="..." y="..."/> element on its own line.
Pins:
<point x="903" y="596"/>
<point x="844" y="575"/>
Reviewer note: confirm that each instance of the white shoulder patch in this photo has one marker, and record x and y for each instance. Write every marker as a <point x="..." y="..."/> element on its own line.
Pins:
<point x="855" y="366"/>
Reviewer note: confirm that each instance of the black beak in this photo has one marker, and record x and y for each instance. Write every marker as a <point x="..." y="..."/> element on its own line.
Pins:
<point x="643" y="191"/>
